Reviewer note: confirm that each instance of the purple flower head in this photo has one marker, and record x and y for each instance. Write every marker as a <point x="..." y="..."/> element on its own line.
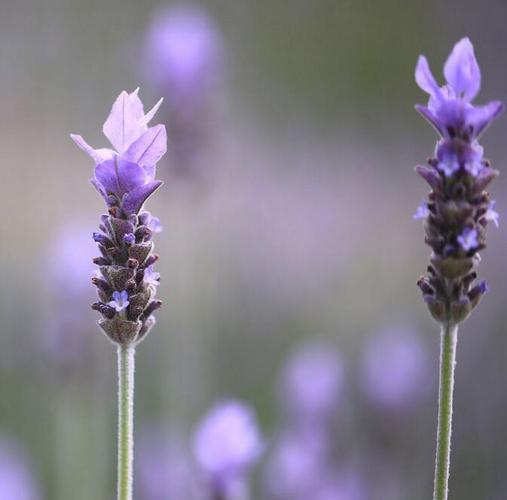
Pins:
<point x="125" y="175"/>
<point x="422" y="211"/>
<point x="184" y="50"/>
<point x="227" y="443"/>
<point x="16" y="479"/>
<point x="449" y="108"/>
<point x="395" y="370"/>
<point x="458" y="175"/>
<point x="468" y="239"/>
<point x="312" y="383"/>
<point x="120" y="301"/>
<point x="491" y="214"/>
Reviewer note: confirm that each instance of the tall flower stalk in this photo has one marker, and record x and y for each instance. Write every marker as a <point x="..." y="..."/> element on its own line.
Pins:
<point x="456" y="215"/>
<point x="126" y="282"/>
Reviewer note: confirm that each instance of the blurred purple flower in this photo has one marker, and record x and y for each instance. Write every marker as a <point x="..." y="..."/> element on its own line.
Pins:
<point x="227" y="443"/>
<point x="312" y="383"/>
<point x="184" y="50"/>
<point x="396" y="372"/>
<point x="295" y="465"/>
<point x="165" y="470"/>
<point x="184" y="54"/>
<point x="16" y="478"/>
<point x="70" y="267"/>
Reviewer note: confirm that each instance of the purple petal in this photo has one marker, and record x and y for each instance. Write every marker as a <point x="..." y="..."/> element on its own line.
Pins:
<point x="133" y="201"/>
<point x="425" y="79"/>
<point x="430" y="117"/>
<point x="97" y="155"/>
<point x="149" y="148"/>
<point x="105" y="175"/>
<point x="125" y="123"/>
<point x="130" y="176"/>
<point x="151" y="113"/>
<point x="480" y="117"/>
<point x="462" y="71"/>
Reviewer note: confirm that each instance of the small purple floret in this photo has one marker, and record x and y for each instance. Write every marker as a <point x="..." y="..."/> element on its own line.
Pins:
<point x="129" y="239"/>
<point x="492" y="215"/>
<point x="468" y="239"/>
<point x="151" y="277"/>
<point x="120" y="301"/>
<point x="422" y="211"/>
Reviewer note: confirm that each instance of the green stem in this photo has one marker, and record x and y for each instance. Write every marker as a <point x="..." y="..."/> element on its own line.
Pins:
<point x="126" y="368"/>
<point x="448" y="340"/>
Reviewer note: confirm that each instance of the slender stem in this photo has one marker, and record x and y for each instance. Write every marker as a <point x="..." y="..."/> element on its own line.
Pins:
<point x="126" y="368"/>
<point x="448" y="340"/>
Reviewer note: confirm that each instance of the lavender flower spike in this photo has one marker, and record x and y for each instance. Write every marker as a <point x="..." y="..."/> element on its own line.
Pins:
<point x="227" y="444"/>
<point x="459" y="213"/>
<point x="125" y="178"/>
<point x="458" y="208"/>
<point x="126" y="284"/>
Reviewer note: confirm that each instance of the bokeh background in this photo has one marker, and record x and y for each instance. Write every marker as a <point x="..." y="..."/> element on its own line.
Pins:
<point x="287" y="212"/>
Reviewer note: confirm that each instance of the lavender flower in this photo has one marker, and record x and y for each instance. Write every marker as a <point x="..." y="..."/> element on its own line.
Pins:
<point x="70" y="267"/>
<point x="395" y="370"/>
<point x="459" y="208"/>
<point x="227" y="443"/>
<point x="165" y="468"/>
<point x="312" y="383"/>
<point x="184" y="54"/>
<point x="125" y="178"/>
<point x="16" y="478"/>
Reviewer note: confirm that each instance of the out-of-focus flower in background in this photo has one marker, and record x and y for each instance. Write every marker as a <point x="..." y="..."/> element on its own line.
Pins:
<point x="184" y="62"/>
<point x="312" y="384"/>
<point x="17" y="479"/>
<point x="227" y="444"/>
<point x="164" y="466"/>
<point x="396" y="373"/>
<point x="69" y="326"/>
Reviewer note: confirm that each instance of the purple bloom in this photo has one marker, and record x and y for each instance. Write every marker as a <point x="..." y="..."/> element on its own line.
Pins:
<point x="458" y="175"/>
<point x="449" y="107"/>
<point x="422" y="211"/>
<point x="227" y="443"/>
<point x="395" y="370"/>
<point x="69" y="268"/>
<point x="16" y="478"/>
<point x="164" y="468"/>
<point x="312" y="383"/>
<point x="295" y="466"/>
<point x="468" y="239"/>
<point x="120" y="301"/>
<point x="125" y="176"/>
<point x="184" y="51"/>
